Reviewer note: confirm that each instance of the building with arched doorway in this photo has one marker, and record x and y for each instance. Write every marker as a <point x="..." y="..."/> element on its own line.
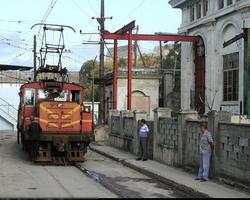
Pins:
<point x="145" y="90"/>
<point x="212" y="77"/>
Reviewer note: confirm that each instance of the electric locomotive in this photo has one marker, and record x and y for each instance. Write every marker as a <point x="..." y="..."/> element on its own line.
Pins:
<point x="57" y="106"/>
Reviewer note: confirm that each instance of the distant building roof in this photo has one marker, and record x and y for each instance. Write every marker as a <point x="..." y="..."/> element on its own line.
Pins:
<point x="177" y="3"/>
<point x="138" y="73"/>
<point x="4" y="67"/>
<point x="122" y="51"/>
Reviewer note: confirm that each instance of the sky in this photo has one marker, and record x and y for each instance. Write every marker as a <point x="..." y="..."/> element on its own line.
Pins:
<point x="18" y="16"/>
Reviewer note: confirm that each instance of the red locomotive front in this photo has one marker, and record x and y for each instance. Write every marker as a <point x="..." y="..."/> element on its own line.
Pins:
<point x="58" y="109"/>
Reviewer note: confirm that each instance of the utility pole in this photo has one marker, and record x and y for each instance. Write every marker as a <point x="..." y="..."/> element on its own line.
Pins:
<point x="93" y="94"/>
<point x="101" y="67"/>
<point x="135" y="48"/>
<point x="34" y="54"/>
<point x="162" y="87"/>
<point x="101" y="21"/>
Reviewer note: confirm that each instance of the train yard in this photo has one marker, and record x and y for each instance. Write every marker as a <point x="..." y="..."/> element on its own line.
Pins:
<point x="98" y="177"/>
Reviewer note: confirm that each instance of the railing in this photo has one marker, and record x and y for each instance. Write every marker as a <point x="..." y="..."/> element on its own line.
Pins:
<point x="8" y="109"/>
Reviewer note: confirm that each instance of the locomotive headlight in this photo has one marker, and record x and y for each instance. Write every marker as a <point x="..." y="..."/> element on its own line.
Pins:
<point x="78" y="144"/>
<point x="59" y="105"/>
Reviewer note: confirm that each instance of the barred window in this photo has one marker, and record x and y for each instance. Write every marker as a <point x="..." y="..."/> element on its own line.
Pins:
<point x="221" y="4"/>
<point x="229" y="2"/>
<point x="198" y="10"/>
<point x="231" y="77"/>
<point x="192" y="13"/>
<point x="205" y="7"/>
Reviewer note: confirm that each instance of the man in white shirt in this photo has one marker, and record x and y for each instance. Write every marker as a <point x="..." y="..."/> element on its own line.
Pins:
<point x="206" y="147"/>
<point x="143" y="140"/>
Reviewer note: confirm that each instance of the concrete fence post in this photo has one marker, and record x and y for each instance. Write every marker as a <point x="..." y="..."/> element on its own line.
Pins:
<point x="182" y="133"/>
<point x="112" y="140"/>
<point x="214" y="118"/>
<point x="111" y="113"/>
<point x="158" y="112"/>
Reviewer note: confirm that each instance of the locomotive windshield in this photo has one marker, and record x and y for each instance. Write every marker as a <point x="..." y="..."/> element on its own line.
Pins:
<point x="42" y="94"/>
<point x="29" y="97"/>
<point x="62" y="96"/>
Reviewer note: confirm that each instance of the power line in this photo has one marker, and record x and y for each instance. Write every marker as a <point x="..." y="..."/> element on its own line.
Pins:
<point x="79" y="7"/>
<point x="79" y="57"/>
<point x="108" y="51"/>
<point x="53" y="3"/>
<point x="16" y="40"/>
<point x="20" y="54"/>
<point x="138" y="6"/>
<point x="48" y="11"/>
<point x="92" y="8"/>
<point x="8" y="41"/>
<point x="87" y="24"/>
<point x="18" y="21"/>
<point x="72" y="59"/>
<point x="16" y="46"/>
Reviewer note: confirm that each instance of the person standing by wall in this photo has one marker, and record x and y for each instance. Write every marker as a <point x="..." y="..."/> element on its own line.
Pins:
<point x="143" y="140"/>
<point x="206" y="147"/>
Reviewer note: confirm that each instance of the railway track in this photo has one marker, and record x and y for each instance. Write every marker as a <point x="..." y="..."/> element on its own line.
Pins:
<point x="104" y="182"/>
<point x="115" y="183"/>
<point x="98" y="177"/>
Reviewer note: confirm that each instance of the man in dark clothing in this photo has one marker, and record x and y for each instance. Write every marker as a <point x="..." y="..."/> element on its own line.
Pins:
<point x="34" y="130"/>
<point x="143" y="140"/>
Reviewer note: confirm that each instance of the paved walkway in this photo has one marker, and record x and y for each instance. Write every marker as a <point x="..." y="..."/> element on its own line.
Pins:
<point x="169" y="175"/>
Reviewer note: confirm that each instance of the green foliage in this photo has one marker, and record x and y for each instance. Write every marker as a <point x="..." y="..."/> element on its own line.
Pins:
<point x="89" y="69"/>
<point x="122" y="62"/>
<point x="173" y="61"/>
<point x="151" y="61"/>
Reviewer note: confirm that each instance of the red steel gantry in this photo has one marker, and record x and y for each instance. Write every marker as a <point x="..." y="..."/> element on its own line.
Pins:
<point x="125" y="33"/>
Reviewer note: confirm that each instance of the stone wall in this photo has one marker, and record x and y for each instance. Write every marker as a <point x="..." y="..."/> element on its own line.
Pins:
<point x="123" y="132"/>
<point x="192" y="143"/>
<point x="167" y="143"/>
<point x="234" y="154"/>
<point x="175" y="140"/>
<point x="177" y="143"/>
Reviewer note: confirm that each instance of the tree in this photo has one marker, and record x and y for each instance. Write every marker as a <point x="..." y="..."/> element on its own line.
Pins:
<point x="173" y="62"/>
<point x="88" y="70"/>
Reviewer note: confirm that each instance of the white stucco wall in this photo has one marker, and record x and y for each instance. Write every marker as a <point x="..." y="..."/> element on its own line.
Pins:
<point x="9" y="93"/>
<point x="215" y="29"/>
<point x="150" y="87"/>
<point x="5" y="125"/>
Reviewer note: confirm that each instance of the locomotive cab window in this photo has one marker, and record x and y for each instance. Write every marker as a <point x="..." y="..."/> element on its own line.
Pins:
<point x="75" y="96"/>
<point x="62" y="96"/>
<point x="29" y="97"/>
<point x="41" y="94"/>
